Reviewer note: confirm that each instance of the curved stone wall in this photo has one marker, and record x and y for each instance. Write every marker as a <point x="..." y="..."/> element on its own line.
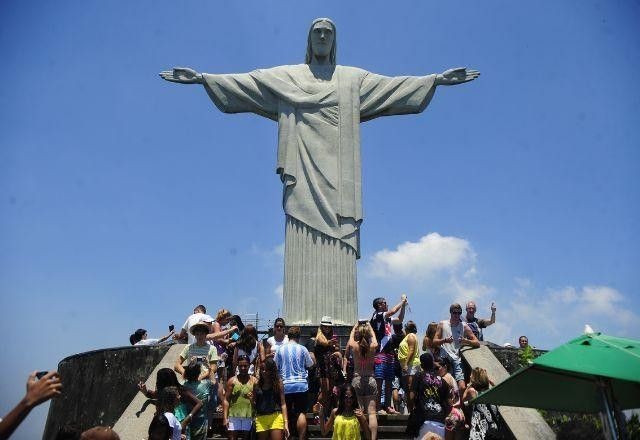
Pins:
<point x="98" y="385"/>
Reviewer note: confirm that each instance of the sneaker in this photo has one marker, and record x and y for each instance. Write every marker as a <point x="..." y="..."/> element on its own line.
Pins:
<point x="382" y="412"/>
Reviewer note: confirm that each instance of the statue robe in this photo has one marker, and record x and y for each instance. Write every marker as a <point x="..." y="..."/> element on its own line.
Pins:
<point x="319" y="110"/>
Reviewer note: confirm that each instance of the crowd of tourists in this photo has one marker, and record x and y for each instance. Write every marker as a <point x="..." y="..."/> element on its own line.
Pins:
<point x="229" y="379"/>
<point x="265" y="386"/>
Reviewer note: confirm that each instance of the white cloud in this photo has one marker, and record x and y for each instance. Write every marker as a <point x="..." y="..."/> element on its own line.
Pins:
<point x="430" y="255"/>
<point x="438" y="270"/>
<point x="278" y="291"/>
<point x="555" y="315"/>
<point x="279" y="250"/>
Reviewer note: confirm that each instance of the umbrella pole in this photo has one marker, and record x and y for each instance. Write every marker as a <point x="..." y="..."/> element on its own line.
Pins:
<point x="611" y="432"/>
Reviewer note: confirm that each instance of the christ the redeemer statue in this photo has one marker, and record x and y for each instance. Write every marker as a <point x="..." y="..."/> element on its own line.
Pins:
<point x="319" y="106"/>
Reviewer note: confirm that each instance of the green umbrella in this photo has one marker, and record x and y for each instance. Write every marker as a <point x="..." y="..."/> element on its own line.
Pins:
<point x="592" y="373"/>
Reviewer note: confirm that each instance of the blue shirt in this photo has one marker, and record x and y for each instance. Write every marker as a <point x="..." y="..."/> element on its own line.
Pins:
<point x="293" y="360"/>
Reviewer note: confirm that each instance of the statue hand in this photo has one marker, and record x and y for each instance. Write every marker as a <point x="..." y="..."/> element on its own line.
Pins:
<point x="183" y="75"/>
<point x="455" y="76"/>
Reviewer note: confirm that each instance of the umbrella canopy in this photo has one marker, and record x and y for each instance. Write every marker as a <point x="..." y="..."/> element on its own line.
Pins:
<point x="570" y="377"/>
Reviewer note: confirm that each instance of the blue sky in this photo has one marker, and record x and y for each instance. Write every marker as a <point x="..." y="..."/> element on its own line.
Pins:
<point x="126" y="200"/>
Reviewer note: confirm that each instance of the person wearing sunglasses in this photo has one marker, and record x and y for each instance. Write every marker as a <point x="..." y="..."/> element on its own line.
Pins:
<point x="347" y="420"/>
<point x="452" y="334"/>
<point x="279" y="337"/>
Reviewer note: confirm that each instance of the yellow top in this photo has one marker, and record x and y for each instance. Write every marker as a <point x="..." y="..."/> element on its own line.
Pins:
<point x="346" y="428"/>
<point x="403" y="352"/>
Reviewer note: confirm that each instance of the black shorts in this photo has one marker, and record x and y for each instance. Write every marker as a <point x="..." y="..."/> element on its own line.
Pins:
<point x="297" y="403"/>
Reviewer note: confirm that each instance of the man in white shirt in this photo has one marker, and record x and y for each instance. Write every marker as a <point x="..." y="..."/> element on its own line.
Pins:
<point x="199" y="315"/>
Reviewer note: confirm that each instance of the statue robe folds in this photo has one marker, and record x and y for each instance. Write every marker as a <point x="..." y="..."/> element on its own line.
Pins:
<point x="319" y="110"/>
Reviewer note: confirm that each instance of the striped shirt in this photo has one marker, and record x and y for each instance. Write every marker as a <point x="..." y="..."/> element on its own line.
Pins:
<point x="200" y="351"/>
<point x="293" y="360"/>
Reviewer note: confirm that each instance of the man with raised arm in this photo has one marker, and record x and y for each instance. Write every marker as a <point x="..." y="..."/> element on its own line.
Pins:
<point x="385" y="356"/>
<point x="477" y="324"/>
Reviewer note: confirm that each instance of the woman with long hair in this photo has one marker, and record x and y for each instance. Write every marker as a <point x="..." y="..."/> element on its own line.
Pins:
<point x="363" y="345"/>
<point x="427" y="341"/>
<point x="249" y="346"/>
<point x="327" y="353"/>
<point x="168" y="399"/>
<point x="165" y="378"/>
<point x="484" y="418"/>
<point x="221" y="331"/>
<point x="270" y="405"/>
<point x="347" y="420"/>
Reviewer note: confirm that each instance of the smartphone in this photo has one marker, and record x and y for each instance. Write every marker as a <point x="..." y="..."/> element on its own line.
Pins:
<point x="171" y="327"/>
<point x="235" y="336"/>
<point x="40" y="374"/>
<point x="362" y="321"/>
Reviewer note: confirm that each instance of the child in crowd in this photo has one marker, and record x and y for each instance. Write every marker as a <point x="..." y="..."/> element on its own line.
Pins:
<point x="160" y="429"/>
<point x="197" y="429"/>
<point x="167" y="378"/>
<point x="168" y="399"/>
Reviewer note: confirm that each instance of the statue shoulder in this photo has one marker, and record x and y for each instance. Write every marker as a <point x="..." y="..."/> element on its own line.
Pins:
<point x="352" y="71"/>
<point x="278" y="69"/>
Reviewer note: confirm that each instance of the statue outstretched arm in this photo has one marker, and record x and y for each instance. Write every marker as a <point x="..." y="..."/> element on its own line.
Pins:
<point x="455" y="76"/>
<point x="231" y="92"/>
<point x="182" y="75"/>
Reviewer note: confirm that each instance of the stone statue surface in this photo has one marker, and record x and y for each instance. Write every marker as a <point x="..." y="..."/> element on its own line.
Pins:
<point x="318" y="106"/>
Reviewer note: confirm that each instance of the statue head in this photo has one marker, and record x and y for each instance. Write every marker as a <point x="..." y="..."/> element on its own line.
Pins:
<point x="321" y="41"/>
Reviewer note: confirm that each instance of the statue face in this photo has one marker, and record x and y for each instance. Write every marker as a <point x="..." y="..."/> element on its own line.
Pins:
<point x="322" y="39"/>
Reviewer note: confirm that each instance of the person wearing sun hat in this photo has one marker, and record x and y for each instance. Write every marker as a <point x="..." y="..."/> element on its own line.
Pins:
<point x="199" y="352"/>
<point x="199" y="315"/>
<point x="326" y="351"/>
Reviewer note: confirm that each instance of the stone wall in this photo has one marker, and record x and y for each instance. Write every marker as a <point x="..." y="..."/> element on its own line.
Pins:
<point x="98" y="385"/>
<point x="508" y="356"/>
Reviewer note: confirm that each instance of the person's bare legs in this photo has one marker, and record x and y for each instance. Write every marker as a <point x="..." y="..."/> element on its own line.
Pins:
<point x="273" y="434"/>
<point x="301" y="426"/>
<point x="370" y="404"/>
<point x="388" y="395"/>
<point x="461" y="387"/>
<point x="380" y="403"/>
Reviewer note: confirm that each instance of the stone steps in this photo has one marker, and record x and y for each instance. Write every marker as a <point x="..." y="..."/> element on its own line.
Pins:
<point x="390" y="427"/>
